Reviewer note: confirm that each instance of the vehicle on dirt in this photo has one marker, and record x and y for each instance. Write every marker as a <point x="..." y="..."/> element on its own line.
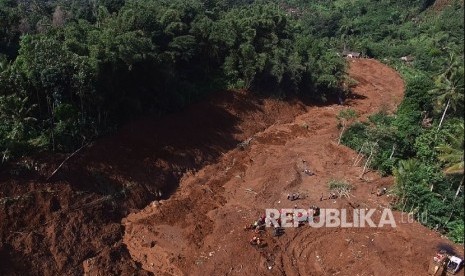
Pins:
<point x="455" y="263"/>
<point x="444" y="264"/>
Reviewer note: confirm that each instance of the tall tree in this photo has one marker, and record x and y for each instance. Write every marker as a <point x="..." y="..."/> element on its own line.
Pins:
<point x="452" y="155"/>
<point x="449" y="88"/>
<point x="452" y="152"/>
<point x="345" y="117"/>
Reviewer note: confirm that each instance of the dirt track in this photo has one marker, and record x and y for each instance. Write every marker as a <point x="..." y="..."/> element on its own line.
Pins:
<point x="199" y="230"/>
<point x="80" y="222"/>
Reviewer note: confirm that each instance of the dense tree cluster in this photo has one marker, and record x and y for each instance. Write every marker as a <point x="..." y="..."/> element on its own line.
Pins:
<point x="71" y="70"/>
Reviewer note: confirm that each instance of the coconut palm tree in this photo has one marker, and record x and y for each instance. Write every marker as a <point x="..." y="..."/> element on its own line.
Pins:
<point x="402" y="174"/>
<point x="449" y="88"/>
<point x="452" y="155"/>
<point x="452" y="152"/>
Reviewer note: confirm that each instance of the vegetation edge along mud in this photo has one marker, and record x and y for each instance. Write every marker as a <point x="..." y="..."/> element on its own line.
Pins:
<point x="146" y="137"/>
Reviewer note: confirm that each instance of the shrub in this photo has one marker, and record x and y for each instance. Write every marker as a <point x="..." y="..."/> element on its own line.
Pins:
<point x="340" y="187"/>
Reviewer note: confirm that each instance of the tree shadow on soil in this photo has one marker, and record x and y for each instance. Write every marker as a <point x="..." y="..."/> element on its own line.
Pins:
<point x="154" y="154"/>
<point x="446" y="247"/>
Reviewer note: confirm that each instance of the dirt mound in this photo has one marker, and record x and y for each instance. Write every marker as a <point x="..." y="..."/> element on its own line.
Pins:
<point x="200" y="229"/>
<point x="223" y="160"/>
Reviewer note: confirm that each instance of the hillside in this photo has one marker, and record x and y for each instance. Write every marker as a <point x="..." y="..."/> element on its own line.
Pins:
<point x="69" y="227"/>
<point x="55" y="226"/>
<point x="139" y="137"/>
<point x="200" y="228"/>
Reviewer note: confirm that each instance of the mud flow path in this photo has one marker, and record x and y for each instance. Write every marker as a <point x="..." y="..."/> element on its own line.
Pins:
<point x="200" y="229"/>
<point x="97" y="215"/>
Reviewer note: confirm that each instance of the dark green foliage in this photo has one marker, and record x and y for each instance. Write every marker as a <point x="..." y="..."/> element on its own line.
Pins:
<point x="456" y="230"/>
<point x="9" y="23"/>
<point x="260" y="42"/>
<point x="356" y="135"/>
<point x="422" y="188"/>
<point x="323" y="69"/>
<point x="408" y="121"/>
<point x="18" y="126"/>
<point x="87" y="67"/>
<point x="380" y="131"/>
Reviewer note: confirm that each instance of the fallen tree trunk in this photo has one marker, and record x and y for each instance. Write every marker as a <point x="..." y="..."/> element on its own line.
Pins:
<point x="66" y="159"/>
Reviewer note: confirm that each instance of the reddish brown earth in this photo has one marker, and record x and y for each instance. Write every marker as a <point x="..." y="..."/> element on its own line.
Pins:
<point x="97" y="215"/>
<point x="73" y="222"/>
<point x="200" y="229"/>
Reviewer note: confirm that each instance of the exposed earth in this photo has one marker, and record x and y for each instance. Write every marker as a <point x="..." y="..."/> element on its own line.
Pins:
<point x="172" y="196"/>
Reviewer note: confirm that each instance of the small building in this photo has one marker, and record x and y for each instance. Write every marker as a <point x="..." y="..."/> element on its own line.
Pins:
<point x="408" y="58"/>
<point x="351" y="54"/>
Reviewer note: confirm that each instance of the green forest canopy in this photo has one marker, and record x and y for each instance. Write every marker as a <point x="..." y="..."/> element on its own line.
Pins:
<point x="80" y="70"/>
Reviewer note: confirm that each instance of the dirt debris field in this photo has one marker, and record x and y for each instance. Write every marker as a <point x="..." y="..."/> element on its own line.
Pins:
<point x="98" y="215"/>
<point x="200" y="229"/>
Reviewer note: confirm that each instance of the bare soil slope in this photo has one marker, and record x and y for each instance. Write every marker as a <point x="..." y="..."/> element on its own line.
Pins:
<point x="200" y="229"/>
<point x="72" y="223"/>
